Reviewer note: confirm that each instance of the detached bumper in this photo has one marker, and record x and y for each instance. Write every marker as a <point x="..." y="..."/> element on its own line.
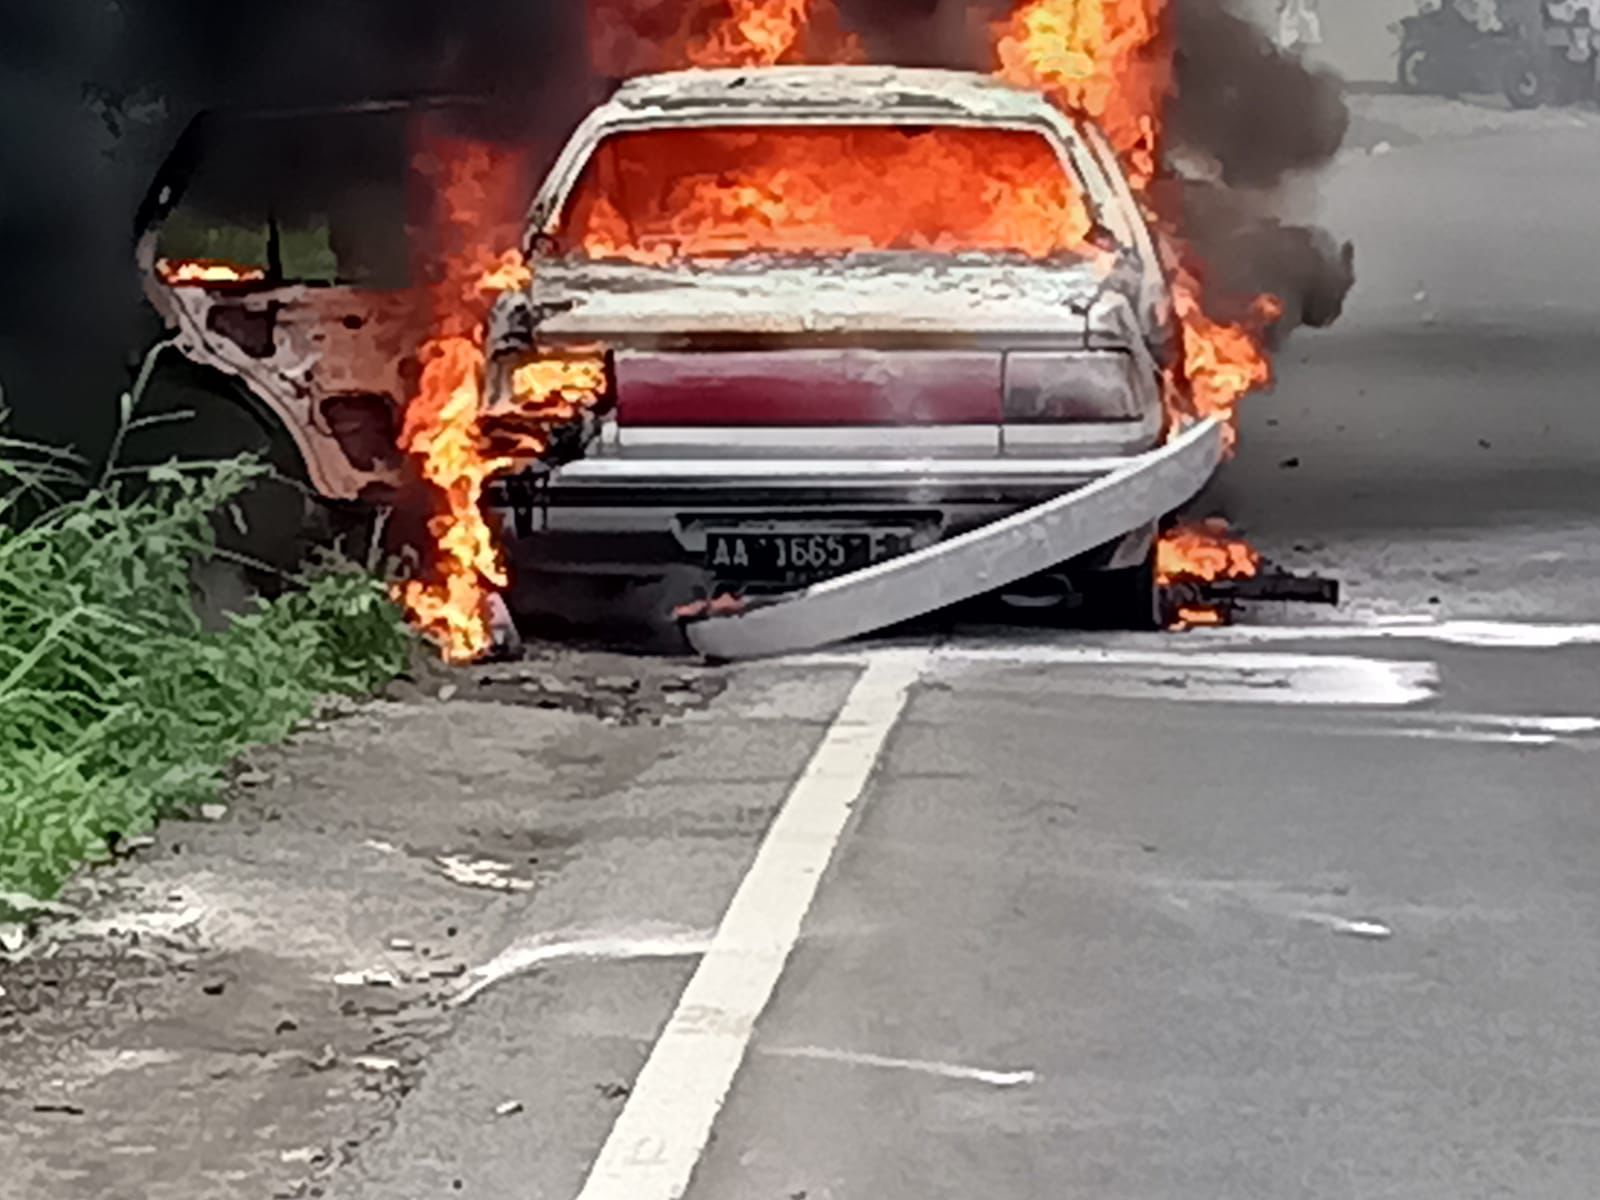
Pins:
<point x="1129" y="493"/>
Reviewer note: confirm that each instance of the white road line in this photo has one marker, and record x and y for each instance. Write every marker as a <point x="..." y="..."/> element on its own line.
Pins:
<point x="1195" y="674"/>
<point x="662" y="1130"/>
<point x="943" y="1070"/>
<point x="1482" y="728"/>
<point x="1491" y="635"/>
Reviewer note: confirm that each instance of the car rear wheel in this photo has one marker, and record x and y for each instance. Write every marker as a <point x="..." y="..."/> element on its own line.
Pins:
<point x="1527" y="82"/>
<point x="278" y="517"/>
<point x="1413" y="69"/>
<point x="1126" y="598"/>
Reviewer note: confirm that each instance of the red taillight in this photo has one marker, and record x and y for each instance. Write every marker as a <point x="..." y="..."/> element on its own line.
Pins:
<point x="1053" y="388"/>
<point x="808" y="388"/>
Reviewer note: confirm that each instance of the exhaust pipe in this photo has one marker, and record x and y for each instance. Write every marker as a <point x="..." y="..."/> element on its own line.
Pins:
<point x="1037" y="593"/>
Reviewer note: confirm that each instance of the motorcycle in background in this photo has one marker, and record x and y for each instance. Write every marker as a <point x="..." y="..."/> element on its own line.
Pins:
<point x="1464" y="47"/>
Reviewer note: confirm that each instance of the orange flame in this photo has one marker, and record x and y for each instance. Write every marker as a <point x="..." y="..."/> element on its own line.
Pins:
<point x="458" y="446"/>
<point x="1104" y="59"/>
<point x="1111" y="61"/>
<point x="1222" y="363"/>
<point x="1203" y="553"/>
<point x="197" y="272"/>
<point x="632" y="37"/>
<point x="1206" y="552"/>
<point x="756" y="33"/>
<point x="471" y="184"/>
<point x="544" y="393"/>
<point x="698" y="193"/>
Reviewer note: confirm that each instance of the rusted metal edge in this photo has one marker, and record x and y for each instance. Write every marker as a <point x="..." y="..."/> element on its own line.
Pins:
<point x="996" y="555"/>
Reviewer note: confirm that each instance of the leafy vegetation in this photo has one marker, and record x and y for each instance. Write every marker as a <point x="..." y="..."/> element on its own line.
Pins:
<point x="117" y="705"/>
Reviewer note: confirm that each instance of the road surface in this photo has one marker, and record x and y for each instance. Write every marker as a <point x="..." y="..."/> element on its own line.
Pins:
<point x="1291" y="910"/>
<point x="1306" y="908"/>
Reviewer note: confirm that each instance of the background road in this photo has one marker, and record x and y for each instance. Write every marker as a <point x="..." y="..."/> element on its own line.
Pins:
<point x="1305" y="908"/>
<point x="1137" y="882"/>
<point x="1288" y="910"/>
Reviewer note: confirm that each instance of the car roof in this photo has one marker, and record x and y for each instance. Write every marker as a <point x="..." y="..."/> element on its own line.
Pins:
<point x="833" y="89"/>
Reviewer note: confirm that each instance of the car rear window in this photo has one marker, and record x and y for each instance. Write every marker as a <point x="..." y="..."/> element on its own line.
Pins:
<point x="666" y="195"/>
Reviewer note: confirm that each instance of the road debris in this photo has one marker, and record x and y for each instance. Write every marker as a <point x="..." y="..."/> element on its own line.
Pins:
<point x="213" y="812"/>
<point x="1367" y="929"/>
<point x="546" y="950"/>
<point x="481" y="873"/>
<point x="373" y="978"/>
<point x="1189" y="601"/>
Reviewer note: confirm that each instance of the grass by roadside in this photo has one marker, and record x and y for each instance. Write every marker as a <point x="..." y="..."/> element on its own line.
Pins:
<point x="116" y="706"/>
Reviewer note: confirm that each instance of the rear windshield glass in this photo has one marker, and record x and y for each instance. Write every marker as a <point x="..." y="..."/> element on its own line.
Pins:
<point x="664" y="195"/>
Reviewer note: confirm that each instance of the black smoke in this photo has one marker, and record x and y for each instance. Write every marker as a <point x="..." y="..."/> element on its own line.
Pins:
<point x="93" y="93"/>
<point x="1246" y="118"/>
<point x="1258" y="118"/>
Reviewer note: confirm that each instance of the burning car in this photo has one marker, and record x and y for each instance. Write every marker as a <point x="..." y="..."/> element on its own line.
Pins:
<point x="288" y="257"/>
<point x="812" y="319"/>
<point x="766" y="328"/>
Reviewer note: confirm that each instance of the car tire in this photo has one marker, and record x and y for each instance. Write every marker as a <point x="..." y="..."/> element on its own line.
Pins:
<point x="279" y="515"/>
<point x="1127" y="598"/>
<point x="1413" y="71"/>
<point x="1526" y="83"/>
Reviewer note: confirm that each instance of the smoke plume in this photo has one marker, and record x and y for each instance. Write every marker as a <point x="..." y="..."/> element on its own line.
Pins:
<point x="92" y="93"/>
<point x="1244" y="118"/>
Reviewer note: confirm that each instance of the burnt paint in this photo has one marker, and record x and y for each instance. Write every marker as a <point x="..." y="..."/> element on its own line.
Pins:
<point x="366" y="427"/>
<point x="253" y="330"/>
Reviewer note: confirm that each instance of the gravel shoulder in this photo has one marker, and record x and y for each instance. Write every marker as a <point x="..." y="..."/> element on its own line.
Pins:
<point x="240" y="1006"/>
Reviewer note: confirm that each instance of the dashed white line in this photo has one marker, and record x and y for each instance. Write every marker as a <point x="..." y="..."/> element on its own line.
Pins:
<point x="662" y="1131"/>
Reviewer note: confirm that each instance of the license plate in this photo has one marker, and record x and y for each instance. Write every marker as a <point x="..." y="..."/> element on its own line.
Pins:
<point x="789" y="557"/>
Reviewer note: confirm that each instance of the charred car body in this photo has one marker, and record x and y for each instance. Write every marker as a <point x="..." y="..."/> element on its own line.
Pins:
<point x="285" y="254"/>
<point x="788" y="403"/>
<point x="963" y="315"/>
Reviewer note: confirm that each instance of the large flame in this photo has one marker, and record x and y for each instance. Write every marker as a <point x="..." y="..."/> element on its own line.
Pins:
<point x="697" y="193"/>
<point x="470" y="186"/>
<point x="477" y="192"/>
<point x="1203" y="552"/>
<point x="1111" y="62"/>
<point x="1108" y="61"/>
<point x="1103" y="59"/>
<point x="632" y="37"/>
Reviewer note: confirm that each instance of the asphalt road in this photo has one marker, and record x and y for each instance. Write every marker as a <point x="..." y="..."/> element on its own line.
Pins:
<point x="1307" y="908"/>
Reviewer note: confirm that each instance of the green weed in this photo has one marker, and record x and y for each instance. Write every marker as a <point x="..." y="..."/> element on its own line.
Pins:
<point x="116" y="706"/>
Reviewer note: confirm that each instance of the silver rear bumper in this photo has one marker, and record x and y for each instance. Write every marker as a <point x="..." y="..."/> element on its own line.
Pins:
<point x="1140" y="491"/>
<point x="616" y="515"/>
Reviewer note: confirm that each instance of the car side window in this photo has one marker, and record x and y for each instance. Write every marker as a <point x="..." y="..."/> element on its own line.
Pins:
<point x="313" y="201"/>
